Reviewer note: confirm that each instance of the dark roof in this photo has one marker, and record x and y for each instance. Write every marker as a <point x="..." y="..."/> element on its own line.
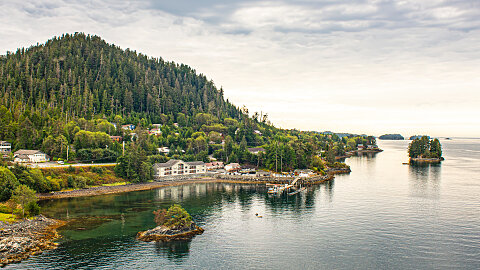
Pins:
<point x="169" y="163"/>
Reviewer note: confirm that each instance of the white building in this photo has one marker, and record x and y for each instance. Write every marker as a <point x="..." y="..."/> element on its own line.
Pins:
<point x="163" y="150"/>
<point x="32" y="156"/>
<point x="178" y="167"/>
<point x="232" y="167"/>
<point x="5" y="147"/>
<point x="214" y="165"/>
<point x="256" y="150"/>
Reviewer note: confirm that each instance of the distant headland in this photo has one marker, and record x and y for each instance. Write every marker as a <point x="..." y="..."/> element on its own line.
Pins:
<point x="391" y="137"/>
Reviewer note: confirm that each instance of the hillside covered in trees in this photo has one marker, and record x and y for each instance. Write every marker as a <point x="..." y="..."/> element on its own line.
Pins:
<point x="71" y="94"/>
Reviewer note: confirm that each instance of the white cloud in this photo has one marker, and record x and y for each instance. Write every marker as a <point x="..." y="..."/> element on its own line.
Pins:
<point x="359" y="66"/>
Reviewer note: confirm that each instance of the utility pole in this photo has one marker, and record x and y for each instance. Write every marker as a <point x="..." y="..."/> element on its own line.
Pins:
<point x="123" y="148"/>
<point x="276" y="146"/>
<point x="68" y="147"/>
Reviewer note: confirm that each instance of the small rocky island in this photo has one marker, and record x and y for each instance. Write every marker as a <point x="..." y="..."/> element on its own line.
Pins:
<point x="22" y="239"/>
<point x="425" y="150"/>
<point x="173" y="224"/>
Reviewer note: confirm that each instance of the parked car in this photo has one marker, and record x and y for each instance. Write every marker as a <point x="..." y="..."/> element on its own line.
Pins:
<point x="60" y="162"/>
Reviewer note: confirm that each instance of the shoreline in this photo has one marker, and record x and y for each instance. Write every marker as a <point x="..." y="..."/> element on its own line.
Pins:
<point x="104" y="190"/>
<point x="426" y="160"/>
<point x="20" y="240"/>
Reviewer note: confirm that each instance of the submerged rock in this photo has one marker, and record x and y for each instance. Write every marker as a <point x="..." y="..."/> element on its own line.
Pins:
<point x="163" y="233"/>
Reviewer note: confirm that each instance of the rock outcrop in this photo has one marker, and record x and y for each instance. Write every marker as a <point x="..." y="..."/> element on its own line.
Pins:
<point x="162" y="233"/>
<point x="20" y="240"/>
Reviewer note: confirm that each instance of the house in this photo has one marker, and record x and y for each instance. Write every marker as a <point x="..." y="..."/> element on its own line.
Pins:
<point x="178" y="167"/>
<point x="32" y="156"/>
<point x="303" y="172"/>
<point x="214" y="165"/>
<point x="5" y="147"/>
<point x="360" y="147"/>
<point x="128" y="127"/>
<point x="155" y="131"/>
<point x="232" y="167"/>
<point x="256" y="150"/>
<point x="116" y="138"/>
<point x="372" y="147"/>
<point x="157" y="126"/>
<point x="163" y="150"/>
<point x="258" y="132"/>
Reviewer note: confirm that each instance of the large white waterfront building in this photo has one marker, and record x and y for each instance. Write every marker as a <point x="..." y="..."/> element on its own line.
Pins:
<point x="178" y="167"/>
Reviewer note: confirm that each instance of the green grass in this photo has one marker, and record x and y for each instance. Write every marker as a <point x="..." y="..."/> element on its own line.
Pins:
<point x="7" y="218"/>
<point x="115" y="184"/>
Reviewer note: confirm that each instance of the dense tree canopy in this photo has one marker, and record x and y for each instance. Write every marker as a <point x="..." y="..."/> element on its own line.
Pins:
<point x="425" y="148"/>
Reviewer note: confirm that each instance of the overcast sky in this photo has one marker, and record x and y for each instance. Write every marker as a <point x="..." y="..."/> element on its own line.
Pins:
<point x="360" y="66"/>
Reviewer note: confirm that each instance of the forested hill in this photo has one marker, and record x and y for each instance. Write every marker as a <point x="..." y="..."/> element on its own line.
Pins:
<point x="81" y="76"/>
<point x="80" y="99"/>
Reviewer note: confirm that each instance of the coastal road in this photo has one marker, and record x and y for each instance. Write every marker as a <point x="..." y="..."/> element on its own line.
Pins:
<point x="56" y="165"/>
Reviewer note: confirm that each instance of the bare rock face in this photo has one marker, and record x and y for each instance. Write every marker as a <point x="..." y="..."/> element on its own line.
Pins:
<point x="28" y="237"/>
<point x="162" y="233"/>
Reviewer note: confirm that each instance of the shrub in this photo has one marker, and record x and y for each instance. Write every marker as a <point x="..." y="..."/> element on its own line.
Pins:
<point x="70" y="169"/>
<point x="32" y="208"/>
<point x="175" y="217"/>
<point x="5" y="209"/>
<point x="98" y="170"/>
<point x="54" y="183"/>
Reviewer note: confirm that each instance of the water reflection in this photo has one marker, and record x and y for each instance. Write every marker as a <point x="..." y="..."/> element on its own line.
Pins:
<point x="174" y="250"/>
<point x="425" y="180"/>
<point x="116" y="218"/>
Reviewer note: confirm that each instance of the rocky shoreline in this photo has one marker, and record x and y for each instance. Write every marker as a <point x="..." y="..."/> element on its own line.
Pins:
<point x="20" y="240"/>
<point x="165" y="234"/>
<point x="94" y="191"/>
<point x="426" y="160"/>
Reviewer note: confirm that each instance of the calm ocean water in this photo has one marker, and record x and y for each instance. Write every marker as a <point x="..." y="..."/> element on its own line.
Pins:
<point x="384" y="215"/>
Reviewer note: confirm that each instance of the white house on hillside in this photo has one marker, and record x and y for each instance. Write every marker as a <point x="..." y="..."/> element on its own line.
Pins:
<point x="5" y="147"/>
<point x="32" y="156"/>
<point x="178" y="167"/>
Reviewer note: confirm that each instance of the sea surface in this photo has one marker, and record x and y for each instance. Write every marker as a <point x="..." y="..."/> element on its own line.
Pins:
<point x="384" y="215"/>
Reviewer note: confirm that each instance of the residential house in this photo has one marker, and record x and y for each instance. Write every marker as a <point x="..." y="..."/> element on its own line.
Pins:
<point x="128" y="127"/>
<point x="155" y="131"/>
<point x="303" y="172"/>
<point x="232" y="167"/>
<point x="5" y="147"/>
<point x="163" y="150"/>
<point x="215" y="165"/>
<point x="372" y="147"/>
<point x="178" y="167"/>
<point x="32" y="156"/>
<point x="116" y="138"/>
<point x="256" y="150"/>
<point x="360" y="147"/>
<point x="258" y="132"/>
